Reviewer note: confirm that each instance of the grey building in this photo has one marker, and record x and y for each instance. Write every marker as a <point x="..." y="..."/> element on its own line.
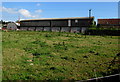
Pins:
<point x="73" y="24"/>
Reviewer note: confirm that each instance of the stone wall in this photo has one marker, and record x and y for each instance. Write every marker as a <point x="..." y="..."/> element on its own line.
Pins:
<point x="83" y="29"/>
<point x="65" y="29"/>
<point x="56" y="29"/>
<point x="23" y="28"/>
<point x="75" y="30"/>
<point x="47" y="28"/>
<point x="39" y="28"/>
<point x="31" y="28"/>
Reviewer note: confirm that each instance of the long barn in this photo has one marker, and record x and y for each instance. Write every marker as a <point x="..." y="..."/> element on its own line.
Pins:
<point x="109" y="23"/>
<point x="74" y="24"/>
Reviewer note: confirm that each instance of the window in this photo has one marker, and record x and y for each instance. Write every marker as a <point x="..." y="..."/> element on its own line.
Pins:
<point x="76" y="21"/>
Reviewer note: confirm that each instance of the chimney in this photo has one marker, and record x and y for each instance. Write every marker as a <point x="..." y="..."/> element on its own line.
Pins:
<point x="89" y="12"/>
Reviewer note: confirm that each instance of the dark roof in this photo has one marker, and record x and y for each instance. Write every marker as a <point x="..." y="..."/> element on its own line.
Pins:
<point x="59" y="18"/>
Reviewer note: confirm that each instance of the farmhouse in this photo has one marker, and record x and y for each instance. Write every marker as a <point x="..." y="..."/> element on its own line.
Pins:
<point x="109" y="23"/>
<point x="73" y="24"/>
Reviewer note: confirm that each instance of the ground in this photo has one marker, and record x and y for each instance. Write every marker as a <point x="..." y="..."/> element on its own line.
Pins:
<point x="58" y="56"/>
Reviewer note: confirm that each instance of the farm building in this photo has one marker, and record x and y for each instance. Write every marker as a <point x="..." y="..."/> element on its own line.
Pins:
<point x="74" y="24"/>
<point x="13" y="26"/>
<point x="109" y="23"/>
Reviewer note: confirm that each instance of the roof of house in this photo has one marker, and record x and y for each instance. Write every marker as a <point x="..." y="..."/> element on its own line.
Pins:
<point x="108" y="21"/>
<point x="59" y="18"/>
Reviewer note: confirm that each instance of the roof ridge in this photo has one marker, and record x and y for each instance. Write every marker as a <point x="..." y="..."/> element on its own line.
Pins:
<point x="58" y="18"/>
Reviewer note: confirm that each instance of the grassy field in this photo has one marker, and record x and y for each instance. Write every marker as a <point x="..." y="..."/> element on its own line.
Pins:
<point x="57" y="56"/>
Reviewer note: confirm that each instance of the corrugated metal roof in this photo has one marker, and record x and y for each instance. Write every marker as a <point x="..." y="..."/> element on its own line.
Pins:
<point x="59" y="18"/>
<point x="109" y="21"/>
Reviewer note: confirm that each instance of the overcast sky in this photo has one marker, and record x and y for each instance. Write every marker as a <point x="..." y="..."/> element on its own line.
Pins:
<point x="12" y="11"/>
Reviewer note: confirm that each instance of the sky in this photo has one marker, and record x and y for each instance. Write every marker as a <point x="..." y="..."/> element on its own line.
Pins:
<point x="60" y="0"/>
<point x="12" y="11"/>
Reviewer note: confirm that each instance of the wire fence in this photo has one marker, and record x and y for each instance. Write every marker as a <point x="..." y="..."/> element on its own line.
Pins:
<point x="113" y="77"/>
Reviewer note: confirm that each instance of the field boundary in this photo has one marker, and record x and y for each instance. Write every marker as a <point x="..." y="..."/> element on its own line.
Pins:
<point x="115" y="77"/>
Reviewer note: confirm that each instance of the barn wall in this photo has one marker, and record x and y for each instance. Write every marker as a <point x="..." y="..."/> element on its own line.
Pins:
<point x="85" y="23"/>
<point x="31" y="28"/>
<point x="23" y="28"/>
<point x="81" y="22"/>
<point x="47" y="28"/>
<point x="65" y="29"/>
<point x="75" y="22"/>
<point x="39" y="28"/>
<point x="35" y="23"/>
<point x="83" y="29"/>
<point x="56" y="29"/>
<point x="58" y="23"/>
<point x="75" y="29"/>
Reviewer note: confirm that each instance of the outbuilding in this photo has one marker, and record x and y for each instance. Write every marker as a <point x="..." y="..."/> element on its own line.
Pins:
<point x="13" y="26"/>
<point x="73" y="24"/>
<point x="109" y="23"/>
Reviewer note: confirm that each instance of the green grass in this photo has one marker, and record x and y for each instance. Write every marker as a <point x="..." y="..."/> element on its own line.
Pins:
<point x="57" y="56"/>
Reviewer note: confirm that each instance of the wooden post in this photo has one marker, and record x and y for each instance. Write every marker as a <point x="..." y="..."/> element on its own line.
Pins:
<point x="70" y="29"/>
<point x="60" y="29"/>
<point x="27" y="28"/>
<point x="43" y="29"/>
<point x="35" y="29"/>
